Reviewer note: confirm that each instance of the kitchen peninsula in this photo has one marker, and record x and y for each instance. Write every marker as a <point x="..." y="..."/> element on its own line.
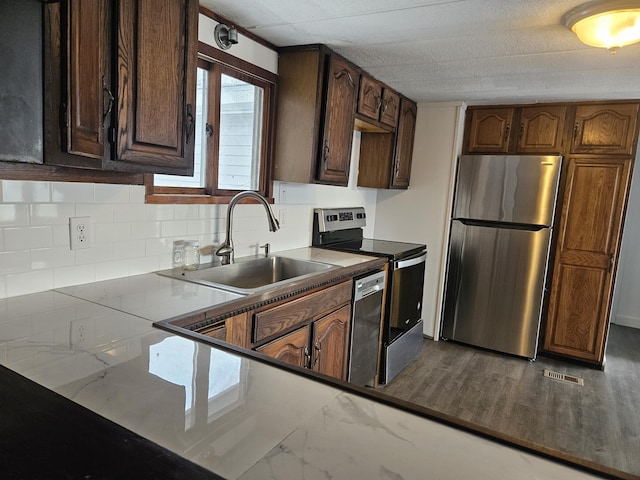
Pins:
<point x="229" y="413"/>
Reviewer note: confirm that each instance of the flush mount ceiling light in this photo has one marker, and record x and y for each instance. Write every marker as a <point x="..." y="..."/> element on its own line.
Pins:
<point x="225" y="36"/>
<point x="607" y="24"/>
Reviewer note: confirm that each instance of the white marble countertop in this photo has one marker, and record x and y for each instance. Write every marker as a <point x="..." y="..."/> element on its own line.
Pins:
<point x="236" y="416"/>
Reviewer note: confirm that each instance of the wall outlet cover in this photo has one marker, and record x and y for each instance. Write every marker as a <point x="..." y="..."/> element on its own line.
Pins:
<point x="79" y="232"/>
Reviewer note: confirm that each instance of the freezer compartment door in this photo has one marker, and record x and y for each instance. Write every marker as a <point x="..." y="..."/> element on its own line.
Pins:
<point x="495" y="283"/>
<point x="507" y="188"/>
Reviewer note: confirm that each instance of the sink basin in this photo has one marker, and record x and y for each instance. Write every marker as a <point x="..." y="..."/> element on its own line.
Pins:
<point x="252" y="275"/>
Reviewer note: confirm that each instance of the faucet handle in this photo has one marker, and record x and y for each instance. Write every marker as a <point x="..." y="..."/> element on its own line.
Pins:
<point x="267" y="248"/>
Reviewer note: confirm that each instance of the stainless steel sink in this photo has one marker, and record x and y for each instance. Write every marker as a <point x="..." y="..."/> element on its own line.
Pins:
<point x="251" y="275"/>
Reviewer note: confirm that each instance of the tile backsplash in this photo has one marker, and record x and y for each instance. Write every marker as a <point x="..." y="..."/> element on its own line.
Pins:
<point x="128" y="237"/>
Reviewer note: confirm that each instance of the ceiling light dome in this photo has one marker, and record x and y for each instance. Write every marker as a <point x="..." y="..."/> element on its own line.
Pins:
<point x="608" y="24"/>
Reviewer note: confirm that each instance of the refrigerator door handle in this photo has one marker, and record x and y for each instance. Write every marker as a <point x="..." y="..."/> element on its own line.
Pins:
<point x="511" y="226"/>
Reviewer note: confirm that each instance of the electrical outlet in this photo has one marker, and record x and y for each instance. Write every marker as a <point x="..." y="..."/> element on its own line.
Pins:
<point x="282" y="220"/>
<point x="80" y="332"/>
<point x="79" y="236"/>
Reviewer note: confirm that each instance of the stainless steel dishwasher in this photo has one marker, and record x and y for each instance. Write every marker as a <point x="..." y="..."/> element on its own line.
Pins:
<point x="365" y="328"/>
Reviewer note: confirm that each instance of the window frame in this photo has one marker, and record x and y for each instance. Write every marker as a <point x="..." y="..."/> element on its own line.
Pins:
<point x="218" y="62"/>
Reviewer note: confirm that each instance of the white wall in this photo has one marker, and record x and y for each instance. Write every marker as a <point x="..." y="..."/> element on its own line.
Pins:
<point x="626" y="308"/>
<point x="421" y="214"/>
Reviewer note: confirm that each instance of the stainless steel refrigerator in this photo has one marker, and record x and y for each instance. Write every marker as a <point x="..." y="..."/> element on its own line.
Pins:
<point x="501" y="232"/>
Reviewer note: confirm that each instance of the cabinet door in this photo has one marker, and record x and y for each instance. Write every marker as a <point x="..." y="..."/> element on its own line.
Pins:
<point x="88" y="81"/>
<point x="541" y="129"/>
<point x="605" y="129"/>
<point x="369" y="97"/>
<point x="156" y="67"/>
<point x="330" y="343"/>
<point x="390" y="108"/>
<point x="292" y="348"/>
<point x="404" y="144"/>
<point x="586" y="257"/>
<point x="489" y="130"/>
<point x="342" y="91"/>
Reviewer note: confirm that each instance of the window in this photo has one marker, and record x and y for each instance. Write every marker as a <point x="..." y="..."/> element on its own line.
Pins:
<point x="232" y="137"/>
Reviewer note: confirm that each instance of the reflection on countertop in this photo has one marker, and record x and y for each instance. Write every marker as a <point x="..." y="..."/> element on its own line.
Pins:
<point x="231" y="414"/>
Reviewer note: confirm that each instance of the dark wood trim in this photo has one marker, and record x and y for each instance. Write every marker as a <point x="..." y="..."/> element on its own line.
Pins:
<point x="52" y="173"/>
<point x="220" y="19"/>
<point x="196" y="199"/>
<point x="234" y="62"/>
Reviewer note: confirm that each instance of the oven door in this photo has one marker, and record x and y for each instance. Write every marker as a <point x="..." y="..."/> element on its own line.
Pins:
<point x="405" y="306"/>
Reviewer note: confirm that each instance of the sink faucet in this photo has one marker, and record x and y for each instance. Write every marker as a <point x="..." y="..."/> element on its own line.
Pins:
<point x="226" y="249"/>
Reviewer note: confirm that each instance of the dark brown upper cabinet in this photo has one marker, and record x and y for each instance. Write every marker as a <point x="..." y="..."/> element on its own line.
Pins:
<point x="377" y="102"/>
<point x="605" y="128"/>
<point x="541" y="129"/>
<point x="404" y="144"/>
<point x="489" y="130"/>
<point x="317" y="94"/>
<point x="385" y="157"/>
<point x="120" y="84"/>
<point x="342" y="92"/>
<point x="516" y="130"/>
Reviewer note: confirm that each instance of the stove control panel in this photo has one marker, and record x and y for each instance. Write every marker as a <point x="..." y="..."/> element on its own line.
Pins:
<point x="332" y="219"/>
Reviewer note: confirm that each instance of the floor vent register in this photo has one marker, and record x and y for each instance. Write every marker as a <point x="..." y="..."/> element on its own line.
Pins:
<point x="563" y="377"/>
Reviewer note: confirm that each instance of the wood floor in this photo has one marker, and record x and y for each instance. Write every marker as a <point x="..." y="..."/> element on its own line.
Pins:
<point x="599" y="421"/>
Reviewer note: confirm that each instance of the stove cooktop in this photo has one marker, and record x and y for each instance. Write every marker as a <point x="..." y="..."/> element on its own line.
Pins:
<point x="379" y="248"/>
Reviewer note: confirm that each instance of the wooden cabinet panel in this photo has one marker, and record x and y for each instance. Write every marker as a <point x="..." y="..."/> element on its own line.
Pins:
<point x="292" y="348"/>
<point x="89" y="82"/>
<point x="376" y="156"/>
<point x="378" y="102"/>
<point x="390" y="108"/>
<point x="342" y="91"/>
<point x="317" y="95"/>
<point x="605" y="129"/>
<point x="369" y="97"/>
<point x="541" y="129"/>
<point x="404" y="144"/>
<point x="489" y="130"/>
<point x="273" y="321"/>
<point x="330" y="343"/>
<point x="586" y="255"/>
<point x="156" y="84"/>
<point x="136" y="118"/>
<point x="219" y="332"/>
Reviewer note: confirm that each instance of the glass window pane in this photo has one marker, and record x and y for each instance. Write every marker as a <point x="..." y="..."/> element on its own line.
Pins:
<point x="200" y="146"/>
<point x="241" y="105"/>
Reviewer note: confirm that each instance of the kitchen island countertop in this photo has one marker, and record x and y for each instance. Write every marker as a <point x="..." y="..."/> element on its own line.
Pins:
<point x="227" y="413"/>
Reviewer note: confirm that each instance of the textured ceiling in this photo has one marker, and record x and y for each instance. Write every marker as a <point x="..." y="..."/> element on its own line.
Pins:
<point x="478" y="51"/>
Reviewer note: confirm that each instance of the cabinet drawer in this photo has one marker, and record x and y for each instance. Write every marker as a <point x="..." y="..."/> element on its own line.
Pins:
<point x="219" y="332"/>
<point x="284" y="317"/>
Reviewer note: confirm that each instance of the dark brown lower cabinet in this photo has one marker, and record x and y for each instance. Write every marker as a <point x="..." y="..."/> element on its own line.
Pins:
<point x="588" y="243"/>
<point x="322" y="345"/>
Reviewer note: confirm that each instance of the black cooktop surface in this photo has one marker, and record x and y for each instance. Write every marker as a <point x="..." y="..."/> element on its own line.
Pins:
<point x="380" y="248"/>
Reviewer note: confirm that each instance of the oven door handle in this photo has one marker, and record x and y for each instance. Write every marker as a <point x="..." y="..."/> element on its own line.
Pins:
<point x="410" y="262"/>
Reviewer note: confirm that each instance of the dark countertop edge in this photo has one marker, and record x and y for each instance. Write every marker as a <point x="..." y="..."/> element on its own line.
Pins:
<point x="424" y="412"/>
<point x="45" y="435"/>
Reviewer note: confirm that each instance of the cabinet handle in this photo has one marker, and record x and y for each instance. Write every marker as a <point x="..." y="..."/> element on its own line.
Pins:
<point x="521" y="131"/>
<point x="306" y="362"/>
<point x="610" y="262"/>
<point x="209" y="129"/>
<point x="318" y="348"/>
<point x="575" y="131"/>
<point x="325" y="154"/>
<point x="190" y="123"/>
<point x="506" y="132"/>
<point x="378" y="103"/>
<point x="105" y="90"/>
